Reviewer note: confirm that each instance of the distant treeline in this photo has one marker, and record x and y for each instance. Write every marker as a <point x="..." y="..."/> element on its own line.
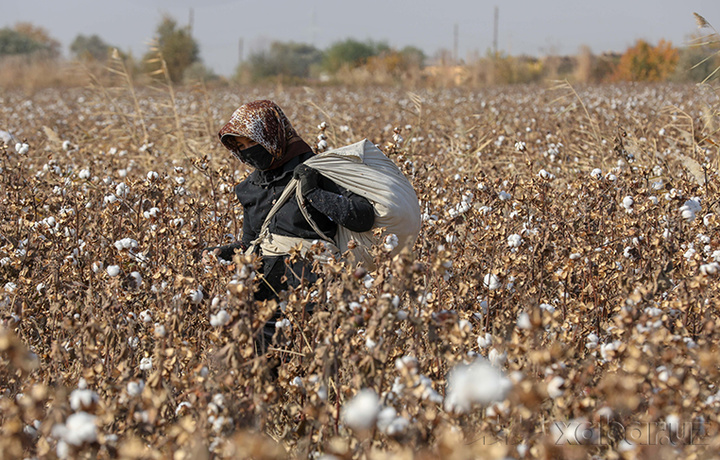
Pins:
<point x="25" y="47"/>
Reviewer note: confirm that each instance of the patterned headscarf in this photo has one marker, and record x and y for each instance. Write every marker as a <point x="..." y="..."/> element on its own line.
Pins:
<point x="263" y="122"/>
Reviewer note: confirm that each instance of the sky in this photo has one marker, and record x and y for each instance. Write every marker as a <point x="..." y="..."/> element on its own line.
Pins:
<point x="531" y="27"/>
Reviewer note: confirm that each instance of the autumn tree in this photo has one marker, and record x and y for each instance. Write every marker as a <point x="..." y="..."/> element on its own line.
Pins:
<point x="644" y="62"/>
<point x="177" y="47"/>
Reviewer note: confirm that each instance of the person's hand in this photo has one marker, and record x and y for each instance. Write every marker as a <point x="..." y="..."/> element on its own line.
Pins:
<point x="308" y="178"/>
<point x="210" y="255"/>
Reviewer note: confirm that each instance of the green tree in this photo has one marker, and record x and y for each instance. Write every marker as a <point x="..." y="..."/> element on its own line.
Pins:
<point x="351" y="53"/>
<point x="92" y="47"/>
<point x="25" y="38"/>
<point x="177" y="46"/>
<point x="283" y="60"/>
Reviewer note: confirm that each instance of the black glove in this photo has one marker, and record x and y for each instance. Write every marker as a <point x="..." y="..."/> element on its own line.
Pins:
<point x="228" y="251"/>
<point x="308" y="178"/>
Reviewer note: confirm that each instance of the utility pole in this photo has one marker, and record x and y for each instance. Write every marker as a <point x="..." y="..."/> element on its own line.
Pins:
<point x="455" y="45"/>
<point x="495" y="33"/>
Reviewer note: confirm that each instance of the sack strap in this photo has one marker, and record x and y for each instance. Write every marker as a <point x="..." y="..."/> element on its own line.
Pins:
<point x="292" y="187"/>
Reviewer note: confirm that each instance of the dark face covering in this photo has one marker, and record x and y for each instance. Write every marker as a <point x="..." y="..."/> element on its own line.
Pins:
<point x="257" y="157"/>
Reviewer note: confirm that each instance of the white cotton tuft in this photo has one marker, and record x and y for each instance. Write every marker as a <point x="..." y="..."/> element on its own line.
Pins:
<point x="22" y="148"/>
<point x="491" y="282"/>
<point x="391" y="242"/>
<point x="196" y="296"/>
<point x="514" y="240"/>
<point x="78" y="429"/>
<point x="220" y="319"/>
<point x="82" y="398"/>
<point x="553" y="387"/>
<point x="360" y="412"/>
<point x="628" y="202"/>
<point x="523" y="321"/>
<point x="145" y="364"/>
<point x="113" y="270"/>
<point x="135" y="388"/>
<point x="690" y="208"/>
<point x="125" y="243"/>
<point x="476" y="383"/>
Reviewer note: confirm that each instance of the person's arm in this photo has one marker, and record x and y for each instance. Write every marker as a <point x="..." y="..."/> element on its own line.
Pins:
<point x="342" y="206"/>
<point x="227" y="251"/>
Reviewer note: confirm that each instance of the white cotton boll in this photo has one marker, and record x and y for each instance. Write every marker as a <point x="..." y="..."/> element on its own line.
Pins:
<point x="10" y="287"/>
<point x="135" y="388"/>
<point x="485" y="341"/>
<point x="196" y="296"/>
<point x="476" y="383"/>
<point x="496" y="358"/>
<point x="109" y="199"/>
<point x="78" y="429"/>
<point x="151" y="213"/>
<point x="491" y="282"/>
<point x="391" y="242"/>
<point x="607" y="350"/>
<point x="113" y="270"/>
<point x="514" y="240"/>
<point x="145" y="316"/>
<point x="596" y="174"/>
<point x="523" y="321"/>
<point x="690" y="253"/>
<point x="504" y="196"/>
<point x="125" y="243"/>
<point x="97" y="267"/>
<point x="322" y="145"/>
<point x="22" y="148"/>
<point x="83" y="398"/>
<point x="389" y="423"/>
<point x="220" y="319"/>
<point x="152" y="175"/>
<point x="690" y="208"/>
<point x="159" y="330"/>
<point x="628" y="202"/>
<point x="145" y="364"/>
<point x="368" y="281"/>
<point x="710" y="269"/>
<point x="360" y="412"/>
<point x="553" y="387"/>
<point x="283" y="324"/>
<point x="84" y="174"/>
<point x="121" y="189"/>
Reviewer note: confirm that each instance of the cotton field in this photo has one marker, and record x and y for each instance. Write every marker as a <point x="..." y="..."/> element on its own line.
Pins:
<point x="561" y="300"/>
